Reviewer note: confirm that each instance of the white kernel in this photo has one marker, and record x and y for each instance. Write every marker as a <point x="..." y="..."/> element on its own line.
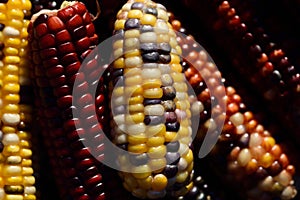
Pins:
<point x="157" y="110"/>
<point x="244" y="157"/>
<point x="255" y="140"/>
<point x="148" y="37"/>
<point x="10" y="139"/>
<point x="237" y="119"/>
<point x="29" y="190"/>
<point x="151" y="73"/>
<point x="12" y="119"/>
<point x="11" y="32"/>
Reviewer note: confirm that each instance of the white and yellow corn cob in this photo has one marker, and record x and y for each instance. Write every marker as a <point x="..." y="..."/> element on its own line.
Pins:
<point x="150" y="104"/>
<point x="16" y="172"/>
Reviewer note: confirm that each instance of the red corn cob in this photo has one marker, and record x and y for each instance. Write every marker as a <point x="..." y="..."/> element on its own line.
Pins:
<point x="62" y="40"/>
<point x="255" y="161"/>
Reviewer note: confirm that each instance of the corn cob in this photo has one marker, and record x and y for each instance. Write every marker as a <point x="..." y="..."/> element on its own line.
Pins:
<point x="272" y="66"/>
<point x="255" y="161"/>
<point x="147" y="74"/>
<point x="16" y="174"/>
<point x="63" y="39"/>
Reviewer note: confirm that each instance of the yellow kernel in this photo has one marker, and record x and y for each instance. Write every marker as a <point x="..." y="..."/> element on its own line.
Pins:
<point x="11" y="149"/>
<point x="135" y="14"/>
<point x="157" y="151"/>
<point x="190" y="186"/>
<point x="12" y="98"/>
<point x="266" y="160"/>
<point x="118" y="44"/>
<point x="26" y="5"/>
<point x="133" y="33"/>
<point x="29" y="197"/>
<point x="11" y="108"/>
<point x="10" y="51"/>
<point x="138" y="148"/>
<point x="2" y="17"/>
<point x="137" y="139"/>
<point x="175" y="59"/>
<point x="134" y="90"/>
<point x="181" y="176"/>
<point x="26" y="162"/>
<point x="15" y="14"/>
<point x="11" y="87"/>
<point x="14" y="42"/>
<point x="136" y="100"/>
<point x="156" y="130"/>
<point x="11" y="68"/>
<point x="132" y="53"/>
<point x="28" y="180"/>
<point x="151" y="83"/>
<point x="14" y="4"/>
<point x="181" y="105"/>
<point x="170" y="136"/>
<point x="11" y="78"/>
<point x="176" y="68"/>
<point x="155" y="141"/>
<point x="12" y="59"/>
<point x="27" y="171"/>
<point x="157" y="165"/>
<point x="23" y="135"/>
<point x="183" y="131"/>
<point x="268" y="143"/>
<point x="24" y="144"/>
<point x="148" y="19"/>
<point x="25" y="153"/>
<point x="136" y="108"/>
<point x="190" y="167"/>
<point x="135" y="118"/>
<point x="141" y="171"/>
<point x="119" y="24"/>
<point x="189" y="157"/>
<point x="118" y="91"/>
<point x="159" y="182"/>
<point x="14" y="180"/>
<point x="180" y="86"/>
<point x="178" y="50"/>
<point x="13" y="197"/>
<point x="153" y="93"/>
<point x="8" y="129"/>
<point x="145" y="183"/>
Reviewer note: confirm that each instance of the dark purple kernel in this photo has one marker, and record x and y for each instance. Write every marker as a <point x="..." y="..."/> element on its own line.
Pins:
<point x="152" y="57"/>
<point x="170" y="171"/>
<point x="40" y="19"/>
<point x="137" y="5"/>
<point x="1" y="26"/>
<point x="164" y="59"/>
<point x="173" y="146"/>
<point x="117" y="72"/>
<point x="148" y="47"/>
<point x="151" y="11"/>
<point x="170" y="117"/>
<point x="151" y="101"/>
<point x="174" y="127"/>
<point x="146" y="28"/>
<point x="10" y="189"/>
<point x="132" y="24"/>
<point x="164" y="48"/>
<point x="169" y="93"/>
<point x="154" y="120"/>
